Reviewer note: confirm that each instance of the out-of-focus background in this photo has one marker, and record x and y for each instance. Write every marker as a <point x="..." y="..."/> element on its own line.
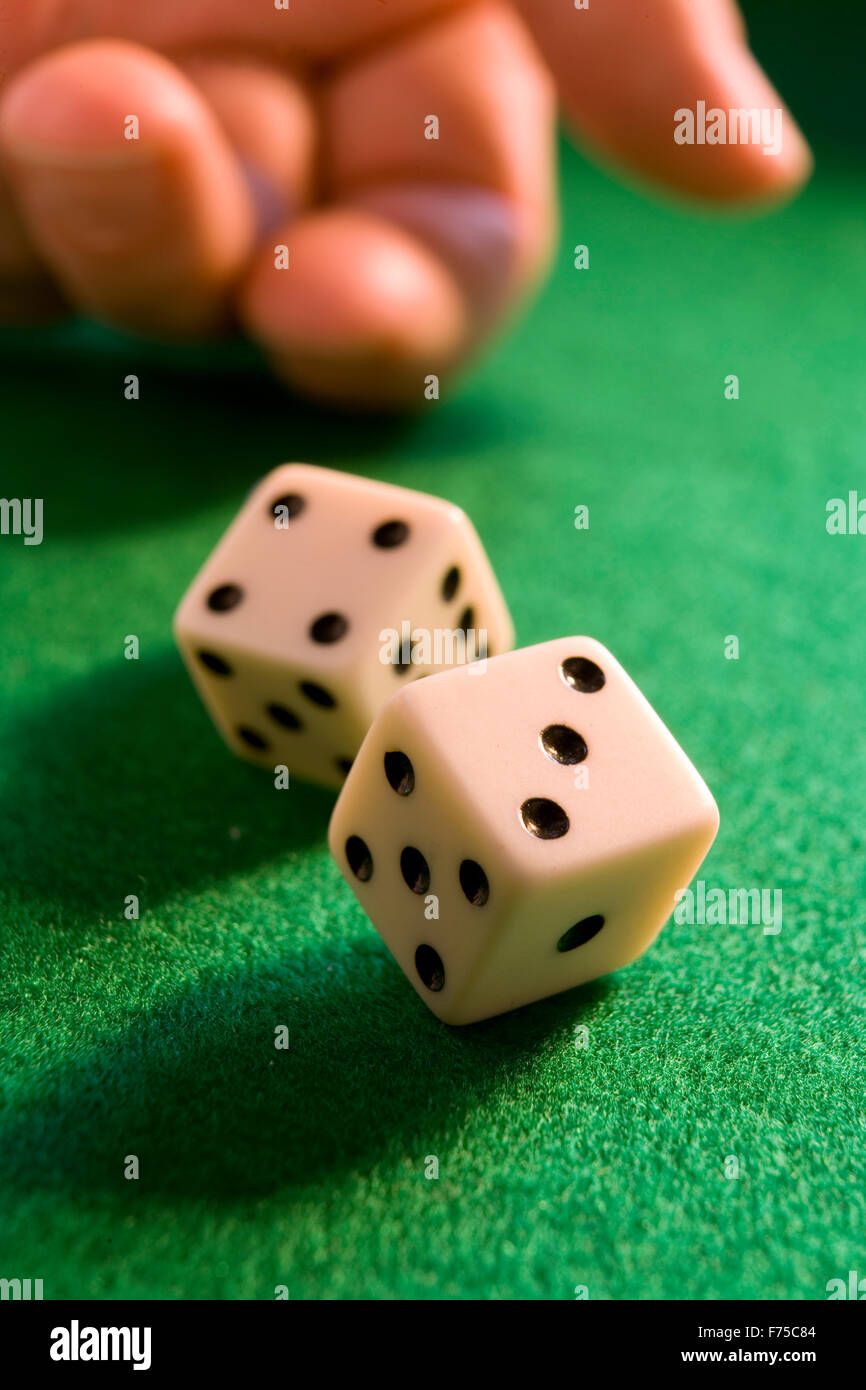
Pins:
<point x="606" y="1166"/>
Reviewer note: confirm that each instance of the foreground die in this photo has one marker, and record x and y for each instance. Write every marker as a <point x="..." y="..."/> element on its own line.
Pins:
<point x="517" y="830"/>
<point x="284" y="630"/>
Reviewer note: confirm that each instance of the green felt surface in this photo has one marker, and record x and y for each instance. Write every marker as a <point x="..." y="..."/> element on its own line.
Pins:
<point x="602" y="1167"/>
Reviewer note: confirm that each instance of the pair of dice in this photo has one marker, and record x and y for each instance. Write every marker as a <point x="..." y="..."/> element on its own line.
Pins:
<point x="513" y="827"/>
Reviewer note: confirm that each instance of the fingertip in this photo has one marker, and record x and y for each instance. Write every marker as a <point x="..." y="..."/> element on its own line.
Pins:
<point x="744" y="147"/>
<point x="497" y="247"/>
<point x="351" y="308"/>
<point x="625" y="73"/>
<point x="775" y="166"/>
<point x="85" y="98"/>
<point x="127" y="186"/>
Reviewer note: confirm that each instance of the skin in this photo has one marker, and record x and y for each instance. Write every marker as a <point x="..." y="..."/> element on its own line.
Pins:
<point x="305" y="128"/>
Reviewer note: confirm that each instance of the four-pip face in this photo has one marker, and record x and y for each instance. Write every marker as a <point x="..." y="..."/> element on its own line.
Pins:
<point x="513" y="826"/>
<point x="282" y="630"/>
<point x="515" y="831"/>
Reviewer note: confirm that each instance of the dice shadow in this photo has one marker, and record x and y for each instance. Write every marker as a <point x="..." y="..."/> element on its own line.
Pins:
<point x="118" y="785"/>
<point x="209" y="423"/>
<point x="198" y="1092"/>
<point x="101" y="462"/>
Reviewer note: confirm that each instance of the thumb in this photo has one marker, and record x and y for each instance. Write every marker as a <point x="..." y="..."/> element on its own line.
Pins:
<point x="625" y="67"/>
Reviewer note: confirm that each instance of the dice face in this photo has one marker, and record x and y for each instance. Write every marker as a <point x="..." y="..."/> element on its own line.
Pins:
<point x="515" y="831"/>
<point x="285" y="631"/>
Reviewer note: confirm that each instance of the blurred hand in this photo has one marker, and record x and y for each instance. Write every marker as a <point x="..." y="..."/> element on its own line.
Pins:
<point x="259" y="127"/>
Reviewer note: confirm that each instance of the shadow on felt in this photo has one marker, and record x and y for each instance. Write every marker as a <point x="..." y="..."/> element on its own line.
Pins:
<point x="199" y="1093"/>
<point x="206" y="427"/>
<point x="118" y="784"/>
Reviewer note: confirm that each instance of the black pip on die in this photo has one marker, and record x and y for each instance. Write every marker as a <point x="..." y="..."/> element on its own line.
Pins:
<point x="283" y="630"/>
<point x="515" y="833"/>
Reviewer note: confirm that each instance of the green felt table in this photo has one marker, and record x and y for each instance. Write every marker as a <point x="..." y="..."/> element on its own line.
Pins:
<point x="606" y="1165"/>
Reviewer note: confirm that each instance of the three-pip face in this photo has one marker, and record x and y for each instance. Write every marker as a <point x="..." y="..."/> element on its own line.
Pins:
<point x="518" y="830"/>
